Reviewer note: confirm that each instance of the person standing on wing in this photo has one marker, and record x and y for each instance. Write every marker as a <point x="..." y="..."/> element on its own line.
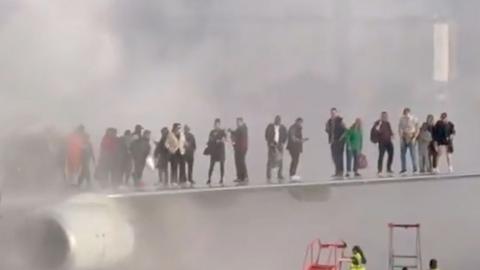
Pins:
<point x="408" y="129"/>
<point x="276" y="136"/>
<point x="382" y="134"/>
<point x="295" y="147"/>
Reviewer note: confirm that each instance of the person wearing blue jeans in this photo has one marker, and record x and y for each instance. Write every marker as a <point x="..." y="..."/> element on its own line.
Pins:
<point x="408" y="129"/>
<point x="408" y="146"/>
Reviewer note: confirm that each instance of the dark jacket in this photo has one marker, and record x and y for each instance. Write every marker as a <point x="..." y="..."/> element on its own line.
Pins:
<point x="240" y="139"/>
<point x="442" y="132"/>
<point x="384" y="131"/>
<point x="335" y="129"/>
<point x="161" y="153"/>
<point x="190" y="145"/>
<point x="270" y="135"/>
<point x="295" y="139"/>
<point x="216" y="144"/>
<point x="140" y="149"/>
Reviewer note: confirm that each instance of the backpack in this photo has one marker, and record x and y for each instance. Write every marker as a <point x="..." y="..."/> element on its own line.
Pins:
<point x="374" y="134"/>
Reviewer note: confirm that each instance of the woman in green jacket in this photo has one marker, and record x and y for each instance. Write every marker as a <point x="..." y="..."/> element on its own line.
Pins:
<point x="354" y="141"/>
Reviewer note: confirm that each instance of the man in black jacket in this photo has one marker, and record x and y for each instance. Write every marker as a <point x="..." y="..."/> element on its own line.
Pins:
<point x="276" y="137"/>
<point x="443" y="133"/>
<point x="295" y="146"/>
<point x="240" y="147"/>
<point x="190" y="147"/>
<point x="382" y="134"/>
<point x="335" y="129"/>
<point x="140" y="149"/>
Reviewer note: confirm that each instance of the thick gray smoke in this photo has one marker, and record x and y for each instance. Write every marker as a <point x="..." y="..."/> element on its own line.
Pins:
<point x="155" y="62"/>
<point x="116" y="63"/>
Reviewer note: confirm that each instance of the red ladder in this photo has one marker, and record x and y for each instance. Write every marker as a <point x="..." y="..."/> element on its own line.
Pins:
<point x="335" y="255"/>
<point x="392" y="258"/>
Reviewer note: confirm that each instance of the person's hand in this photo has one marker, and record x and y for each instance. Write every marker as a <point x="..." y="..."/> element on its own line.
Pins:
<point x="305" y="139"/>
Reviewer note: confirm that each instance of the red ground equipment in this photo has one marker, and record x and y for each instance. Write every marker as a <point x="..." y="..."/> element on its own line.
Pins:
<point x="324" y="256"/>
<point x="393" y="257"/>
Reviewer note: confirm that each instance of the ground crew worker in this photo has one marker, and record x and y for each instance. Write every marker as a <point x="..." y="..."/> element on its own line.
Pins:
<point x="358" y="259"/>
<point x="433" y="264"/>
<point x="356" y="265"/>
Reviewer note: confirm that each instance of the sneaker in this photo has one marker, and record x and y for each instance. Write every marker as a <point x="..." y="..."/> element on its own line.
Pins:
<point x="237" y="180"/>
<point x="347" y="175"/>
<point x="450" y="169"/>
<point x="435" y="171"/>
<point x="403" y="171"/>
<point x="380" y="174"/>
<point x="357" y="174"/>
<point x="295" y="178"/>
<point x="209" y="182"/>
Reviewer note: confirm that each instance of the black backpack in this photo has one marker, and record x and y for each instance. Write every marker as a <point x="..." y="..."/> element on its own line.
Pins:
<point x="374" y="134"/>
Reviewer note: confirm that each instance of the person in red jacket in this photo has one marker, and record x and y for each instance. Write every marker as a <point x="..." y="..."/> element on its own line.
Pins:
<point x="240" y="147"/>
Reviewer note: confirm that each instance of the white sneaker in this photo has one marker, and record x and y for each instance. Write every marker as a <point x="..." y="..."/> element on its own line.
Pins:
<point x="450" y="169"/>
<point x="435" y="171"/>
<point x="295" y="178"/>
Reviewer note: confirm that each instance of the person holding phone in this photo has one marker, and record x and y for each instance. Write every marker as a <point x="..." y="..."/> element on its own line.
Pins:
<point x="295" y="147"/>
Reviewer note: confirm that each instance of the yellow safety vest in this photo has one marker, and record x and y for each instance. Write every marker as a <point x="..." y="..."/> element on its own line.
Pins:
<point x="360" y="265"/>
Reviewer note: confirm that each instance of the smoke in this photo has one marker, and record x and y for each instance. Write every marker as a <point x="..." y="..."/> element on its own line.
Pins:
<point x="117" y="63"/>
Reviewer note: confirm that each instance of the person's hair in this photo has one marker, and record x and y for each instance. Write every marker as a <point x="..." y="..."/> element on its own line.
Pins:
<point x="175" y="126"/>
<point x="164" y="131"/>
<point x="443" y="115"/>
<point x="299" y="119"/>
<point x="138" y="127"/>
<point x="240" y="119"/>
<point x="333" y="109"/>
<point x="146" y="132"/>
<point x="433" y="264"/>
<point x="357" y="249"/>
<point x="217" y="121"/>
<point x="406" y="110"/>
<point x="424" y="127"/>
<point x="127" y="132"/>
<point x="354" y="125"/>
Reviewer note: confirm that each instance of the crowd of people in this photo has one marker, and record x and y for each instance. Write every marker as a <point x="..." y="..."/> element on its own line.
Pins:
<point x="124" y="158"/>
<point x="426" y="143"/>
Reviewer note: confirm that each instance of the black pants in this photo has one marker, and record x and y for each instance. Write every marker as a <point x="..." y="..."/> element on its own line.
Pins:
<point x="338" y="148"/>
<point x="275" y="161"/>
<point x="84" y="175"/>
<point x="385" y="147"/>
<point x="126" y="170"/>
<point x="433" y="155"/>
<point x="212" y="166"/>
<point x="162" y="166"/>
<point x="241" y="164"/>
<point x="294" y="163"/>
<point x="138" y="167"/>
<point x="177" y="162"/>
<point x="189" y="160"/>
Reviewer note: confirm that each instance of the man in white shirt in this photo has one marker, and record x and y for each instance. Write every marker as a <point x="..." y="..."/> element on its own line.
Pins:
<point x="408" y="129"/>
<point x="276" y="137"/>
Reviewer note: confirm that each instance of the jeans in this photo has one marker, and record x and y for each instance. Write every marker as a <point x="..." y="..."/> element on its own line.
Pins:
<point x="212" y="166"/>
<point x="408" y="146"/>
<point x="338" y="148"/>
<point x="352" y="155"/>
<point x="385" y="147"/>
